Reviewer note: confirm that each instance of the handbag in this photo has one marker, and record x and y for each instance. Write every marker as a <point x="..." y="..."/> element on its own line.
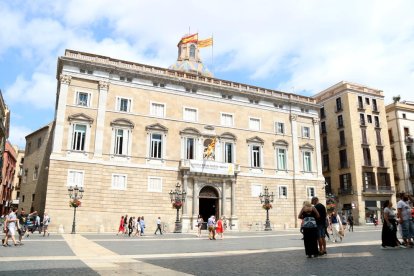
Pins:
<point x="309" y="222"/>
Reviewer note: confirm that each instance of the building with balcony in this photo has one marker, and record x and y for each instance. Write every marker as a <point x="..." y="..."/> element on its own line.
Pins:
<point x="400" y="119"/>
<point x="356" y="156"/>
<point x="34" y="173"/>
<point x="18" y="176"/>
<point x="7" y="171"/>
<point x="128" y="132"/>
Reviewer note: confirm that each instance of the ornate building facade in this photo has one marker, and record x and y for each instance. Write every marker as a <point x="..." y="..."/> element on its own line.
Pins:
<point x="128" y="133"/>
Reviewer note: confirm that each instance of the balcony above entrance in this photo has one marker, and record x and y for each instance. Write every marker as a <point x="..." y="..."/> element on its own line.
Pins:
<point x="210" y="167"/>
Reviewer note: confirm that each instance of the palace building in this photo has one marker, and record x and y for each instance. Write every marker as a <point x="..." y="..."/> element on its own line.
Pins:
<point x="128" y="133"/>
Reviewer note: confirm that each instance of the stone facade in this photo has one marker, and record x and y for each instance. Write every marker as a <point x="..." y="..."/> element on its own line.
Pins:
<point x="35" y="170"/>
<point x="128" y="132"/>
<point x="400" y="119"/>
<point x="18" y="176"/>
<point x="8" y="171"/>
<point x="356" y="156"/>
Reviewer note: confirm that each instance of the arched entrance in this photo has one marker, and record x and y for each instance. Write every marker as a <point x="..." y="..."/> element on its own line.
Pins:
<point x="208" y="203"/>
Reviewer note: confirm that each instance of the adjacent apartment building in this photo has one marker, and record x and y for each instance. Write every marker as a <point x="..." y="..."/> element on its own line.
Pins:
<point x="356" y="155"/>
<point x="128" y="133"/>
<point x="8" y="170"/>
<point x="18" y="176"/>
<point x="400" y="119"/>
<point x="35" y="169"/>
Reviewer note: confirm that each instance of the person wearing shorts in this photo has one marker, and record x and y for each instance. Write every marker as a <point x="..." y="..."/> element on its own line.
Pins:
<point x="321" y="223"/>
<point x="404" y="215"/>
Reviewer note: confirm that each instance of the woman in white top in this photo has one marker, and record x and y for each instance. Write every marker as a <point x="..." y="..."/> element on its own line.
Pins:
<point x="199" y="225"/>
<point x="336" y="225"/>
<point x="389" y="228"/>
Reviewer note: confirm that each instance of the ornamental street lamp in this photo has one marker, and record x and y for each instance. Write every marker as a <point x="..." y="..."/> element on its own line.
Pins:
<point x="177" y="199"/>
<point x="266" y="199"/>
<point x="75" y="194"/>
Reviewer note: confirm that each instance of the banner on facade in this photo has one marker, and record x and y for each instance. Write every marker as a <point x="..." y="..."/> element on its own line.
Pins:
<point x="211" y="167"/>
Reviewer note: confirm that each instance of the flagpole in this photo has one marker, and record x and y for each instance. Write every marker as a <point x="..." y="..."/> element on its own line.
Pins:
<point x="212" y="54"/>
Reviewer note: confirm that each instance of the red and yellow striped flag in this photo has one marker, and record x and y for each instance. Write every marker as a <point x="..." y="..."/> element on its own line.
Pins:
<point x="189" y="38"/>
<point x="205" y="42"/>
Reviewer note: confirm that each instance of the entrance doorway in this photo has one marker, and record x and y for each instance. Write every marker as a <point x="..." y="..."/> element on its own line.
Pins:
<point x="208" y="204"/>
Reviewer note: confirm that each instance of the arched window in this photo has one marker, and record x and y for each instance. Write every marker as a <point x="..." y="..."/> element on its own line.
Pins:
<point x="192" y="51"/>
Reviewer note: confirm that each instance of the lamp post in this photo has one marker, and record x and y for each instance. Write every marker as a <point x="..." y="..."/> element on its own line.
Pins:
<point x="266" y="199"/>
<point x="177" y="199"/>
<point x="75" y="194"/>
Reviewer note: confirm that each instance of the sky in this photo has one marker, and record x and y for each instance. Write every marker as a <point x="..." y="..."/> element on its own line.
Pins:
<point x="299" y="46"/>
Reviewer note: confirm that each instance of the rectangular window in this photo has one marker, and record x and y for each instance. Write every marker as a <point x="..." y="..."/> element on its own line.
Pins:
<point x="338" y="104"/>
<point x="367" y="156"/>
<point x="360" y="102"/>
<point x="369" y="119"/>
<point x="325" y="162"/>
<point x="322" y="112"/>
<point x="340" y="121"/>
<point x="345" y="182"/>
<point x="35" y="173"/>
<point x="83" y="98"/>
<point x="190" y="114"/>
<point x="362" y="119"/>
<point x="119" y="181"/>
<point x="343" y="159"/>
<point x="39" y="142"/>
<point x="75" y="178"/>
<point x="323" y="127"/>
<point x="255" y="157"/>
<point x="228" y="152"/>
<point x="281" y="159"/>
<point x="374" y="105"/>
<point x="282" y="192"/>
<point x="254" y="123"/>
<point x="78" y="137"/>
<point x="306" y="132"/>
<point x="381" y="158"/>
<point x="156" y="146"/>
<point x="367" y="101"/>
<point x="310" y="192"/>
<point x="280" y="128"/>
<point x="325" y="143"/>
<point x="378" y="135"/>
<point x="155" y="184"/>
<point x="364" y="136"/>
<point x="342" y="141"/>
<point x="33" y="197"/>
<point x="376" y="121"/>
<point x="121" y="142"/>
<point x="26" y="172"/>
<point x="189" y="148"/>
<point x="369" y="180"/>
<point x="226" y="119"/>
<point x="307" y="161"/>
<point x="29" y="147"/>
<point x="22" y="198"/>
<point x="256" y="190"/>
<point x="123" y="104"/>
<point x="158" y="110"/>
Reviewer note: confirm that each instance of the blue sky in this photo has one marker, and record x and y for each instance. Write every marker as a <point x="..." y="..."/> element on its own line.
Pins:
<point x="294" y="46"/>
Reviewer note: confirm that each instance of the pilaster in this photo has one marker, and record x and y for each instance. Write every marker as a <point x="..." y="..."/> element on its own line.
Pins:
<point x="100" y="120"/>
<point x="60" y="113"/>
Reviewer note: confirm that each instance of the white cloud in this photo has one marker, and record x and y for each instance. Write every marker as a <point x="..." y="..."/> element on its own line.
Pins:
<point x="18" y="134"/>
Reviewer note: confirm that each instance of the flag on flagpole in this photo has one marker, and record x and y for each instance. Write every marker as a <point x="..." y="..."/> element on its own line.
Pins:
<point x="205" y="42"/>
<point x="189" y="38"/>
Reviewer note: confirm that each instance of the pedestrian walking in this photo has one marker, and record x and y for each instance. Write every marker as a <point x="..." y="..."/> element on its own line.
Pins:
<point x="142" y="225"/>
<point x="126" y="224"/>
<point x="336" y="226"/>
<point x="199" y="225"/>
<point x="121" y="228"/>
<point x="310" y="215"/>
<point x="321" y="223"/>
<point x="138" y="227"/>
<point x="10" y="227"/>
<point x="23" y="218"/>
<point x="350" y="223"/>
<point x="46" y="222"/>
<point x="130" y="226"/>
<point x="389" y="228"/>
<point x="404" y="215"/>
<point x="158" y="226"/>
<point x="220" y="227"/>
<point x="211" y="222"/>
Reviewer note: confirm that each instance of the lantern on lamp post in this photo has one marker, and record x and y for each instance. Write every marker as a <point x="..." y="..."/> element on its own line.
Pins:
<point x="177" y="199"/>
<point x="75" y="194"/>
<point x="266" y="200"/>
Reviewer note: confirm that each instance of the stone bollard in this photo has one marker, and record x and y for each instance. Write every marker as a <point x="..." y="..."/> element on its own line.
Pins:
<point x="61" y="230"/>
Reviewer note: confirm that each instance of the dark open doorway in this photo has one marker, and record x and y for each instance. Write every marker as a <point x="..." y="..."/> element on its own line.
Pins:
<point x="208" y="203"/>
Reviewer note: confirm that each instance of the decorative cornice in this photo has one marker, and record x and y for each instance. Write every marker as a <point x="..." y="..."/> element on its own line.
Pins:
<point x="255" y="139"/>
<point x="65" y="79"/>
<point x="156" y="127"/>
<point x="282" y="143"/>
<point x="306" y="146"/>
<point x="190" y="131"/>
<point x="80" y="117"/>
<point x="122" y="123"/>
<point x="228" y="135"/>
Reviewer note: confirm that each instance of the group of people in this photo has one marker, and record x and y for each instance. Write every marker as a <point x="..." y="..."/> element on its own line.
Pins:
<point x="315" y="224"/>
<point x="402" y="218"/>
<point x="15" y="222"/>
<point x="213" y="227"/>
<point x="131" y="224"/>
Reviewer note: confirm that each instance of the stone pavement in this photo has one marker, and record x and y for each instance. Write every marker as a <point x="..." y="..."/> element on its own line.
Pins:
<point x="240" y="253"/>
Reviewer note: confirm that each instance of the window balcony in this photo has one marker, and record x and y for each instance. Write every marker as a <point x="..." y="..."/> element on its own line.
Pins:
<point x="378" y="190"/>
<point x="345" y="191"/>
<point x="375" y="108"/>
<point x="367" y="163"/>
<point x="341" y="143"/>
<point x="209" y="167"/>
<point x="361" y="106"/>
<point x="340" y="125"/>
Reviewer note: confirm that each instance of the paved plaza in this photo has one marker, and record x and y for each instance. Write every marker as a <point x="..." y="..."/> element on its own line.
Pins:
<point x="239" y="253"/>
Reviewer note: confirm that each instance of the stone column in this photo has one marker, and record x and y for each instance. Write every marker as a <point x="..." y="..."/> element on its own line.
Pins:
<point x="295" y="152"/>
<point x="318" y="147"/>
<point x="100" y="121"/>
<point x="185" y="218"/>
<point x="234" y="220"/>
<point x="195" y="201"/>
<point x="223" y="198"/>
<point x="60" y="113"/>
